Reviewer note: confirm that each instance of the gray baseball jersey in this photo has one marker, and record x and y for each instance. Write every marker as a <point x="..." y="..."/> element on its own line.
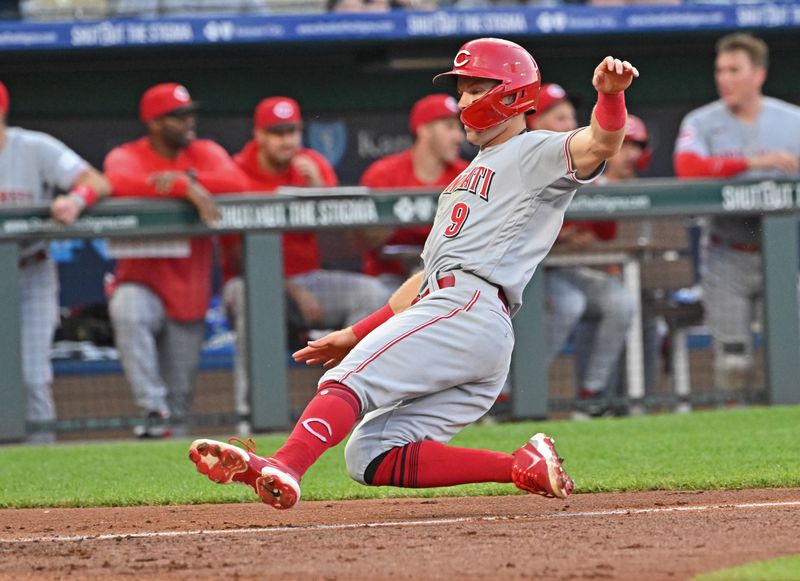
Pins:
<point x="500" y="217"/>
<point x="33" y="166"/>
<point x="713" y="130"/>
<point x="439" y="365"/>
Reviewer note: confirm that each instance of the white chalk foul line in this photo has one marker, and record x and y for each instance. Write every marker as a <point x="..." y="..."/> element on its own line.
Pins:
<point x="408" y="523"/>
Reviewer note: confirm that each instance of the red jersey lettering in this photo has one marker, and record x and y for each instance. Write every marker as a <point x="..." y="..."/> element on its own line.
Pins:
<point x="477" y="182"/>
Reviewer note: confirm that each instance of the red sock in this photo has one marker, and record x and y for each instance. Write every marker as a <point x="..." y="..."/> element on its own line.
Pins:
<point x="325" y="422"/>
<point x="426" y="464"/>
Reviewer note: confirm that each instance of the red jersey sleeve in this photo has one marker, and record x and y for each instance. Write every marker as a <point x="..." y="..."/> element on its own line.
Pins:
<point x="216" y="170"/>
<point x="374" y="176"/>
<point x="692" y="165"/>
<point x="396" y="171"/>
<point x="130" y="176"/>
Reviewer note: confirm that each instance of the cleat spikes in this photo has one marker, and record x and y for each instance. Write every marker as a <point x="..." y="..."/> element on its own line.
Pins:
<point x="275" y="483"/>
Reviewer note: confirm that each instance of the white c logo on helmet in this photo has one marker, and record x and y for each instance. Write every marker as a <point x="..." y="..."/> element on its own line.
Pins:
<point x="462" y="58"/>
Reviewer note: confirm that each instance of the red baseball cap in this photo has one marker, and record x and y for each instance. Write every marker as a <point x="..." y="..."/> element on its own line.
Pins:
<point x="550" y="95"/>
<point x="164" y="99"/>
<point x="275" y="112"/>
<point x="636" y="130"/>
<point x="4" y="100"/>
<point x="431" y="108"/>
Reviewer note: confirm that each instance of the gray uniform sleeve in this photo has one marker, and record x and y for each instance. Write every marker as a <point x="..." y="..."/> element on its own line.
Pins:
<point x="690" y="137"/>
<point x="58" y="164"/>
<point x="545" y="163"/>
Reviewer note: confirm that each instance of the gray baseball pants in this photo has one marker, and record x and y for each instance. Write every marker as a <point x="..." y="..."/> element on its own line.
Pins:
<point x="733" y="286"/>
<point x="429" y="371"/>
<point x="38" y="319"/>
<point x="159" y="355"/>
<point x="574" y="293"/>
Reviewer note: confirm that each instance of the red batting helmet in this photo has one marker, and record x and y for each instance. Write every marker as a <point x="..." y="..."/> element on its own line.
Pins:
<point x="636" y="132"/>
<point x="500" y="60"/>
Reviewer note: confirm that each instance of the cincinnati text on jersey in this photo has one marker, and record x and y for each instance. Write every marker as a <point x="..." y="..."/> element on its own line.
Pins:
<point x="476" y="181"/>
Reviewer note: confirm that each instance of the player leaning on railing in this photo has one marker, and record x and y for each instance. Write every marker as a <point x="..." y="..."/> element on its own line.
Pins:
<point x="433" y="360"/>
<point x="34" y="167"/>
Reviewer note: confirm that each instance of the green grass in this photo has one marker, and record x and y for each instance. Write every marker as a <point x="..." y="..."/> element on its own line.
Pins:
<point x="783" y="569"/>
<point x="743" y="448"/>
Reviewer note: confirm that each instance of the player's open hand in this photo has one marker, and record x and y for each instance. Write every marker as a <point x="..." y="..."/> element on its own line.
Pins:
<point x="613" y="75"/>
<point x="329" y="350"/>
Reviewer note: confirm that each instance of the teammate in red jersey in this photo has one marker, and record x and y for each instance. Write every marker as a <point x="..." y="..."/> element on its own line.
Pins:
<point x="431" y="163"/>
<point x="160" y="297"/>
<point x="325" y="298"/>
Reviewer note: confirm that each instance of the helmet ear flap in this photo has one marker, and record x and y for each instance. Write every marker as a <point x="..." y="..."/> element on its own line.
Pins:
<point x="512" y="99"/>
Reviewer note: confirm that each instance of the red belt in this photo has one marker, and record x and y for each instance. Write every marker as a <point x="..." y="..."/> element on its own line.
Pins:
<point x="35" y="258"/>
<point x="735" y="245"/>
<point x="449" y="280"/>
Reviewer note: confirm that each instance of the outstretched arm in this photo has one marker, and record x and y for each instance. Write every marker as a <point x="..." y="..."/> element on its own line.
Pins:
<point x="603" y="138"/>
<point x="332" y="348"/>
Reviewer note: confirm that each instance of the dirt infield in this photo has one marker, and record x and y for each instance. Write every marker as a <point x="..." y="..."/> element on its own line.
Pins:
<point x="653" y="535"/>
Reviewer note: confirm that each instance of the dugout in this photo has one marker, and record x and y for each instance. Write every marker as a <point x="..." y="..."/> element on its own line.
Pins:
<point x="355" y="92"/>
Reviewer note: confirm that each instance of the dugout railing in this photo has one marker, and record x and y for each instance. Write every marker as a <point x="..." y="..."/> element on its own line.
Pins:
<point x="262" y="218"/>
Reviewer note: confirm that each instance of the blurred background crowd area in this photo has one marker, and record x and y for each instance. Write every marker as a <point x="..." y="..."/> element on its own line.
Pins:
<point x="98" y="9"/>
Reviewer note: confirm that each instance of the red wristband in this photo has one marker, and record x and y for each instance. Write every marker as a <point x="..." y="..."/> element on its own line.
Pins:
<point x="85" y="193"/>
<point x="368" y="324"/>
<point x="610" y="111"/>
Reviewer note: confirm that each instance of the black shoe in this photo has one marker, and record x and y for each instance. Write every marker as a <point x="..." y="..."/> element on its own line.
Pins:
<point x="591" y="404"/>
<point x="155" y="426"/>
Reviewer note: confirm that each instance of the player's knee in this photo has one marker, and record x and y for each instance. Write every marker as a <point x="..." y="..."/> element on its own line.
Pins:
<point x="355" y="460"/>
<point x="118" y="309"/>
<point x="617" y="302"/>
<point x="127" y="307"/>
<point x="233" y="296"/>
<point x="626" y="304"/>
<point x="570" y="308"/>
